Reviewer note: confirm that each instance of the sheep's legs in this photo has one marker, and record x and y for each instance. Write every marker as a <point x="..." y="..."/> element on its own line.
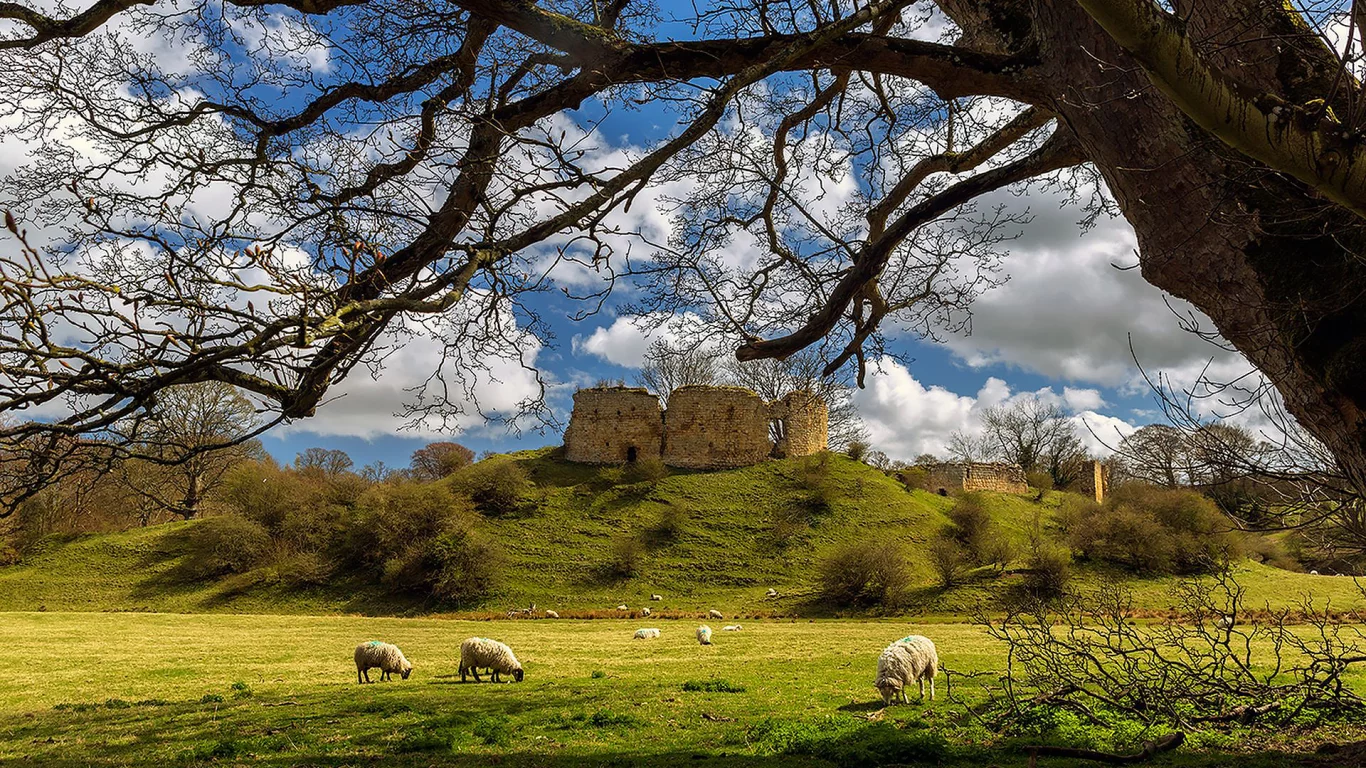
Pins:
<point x="358" y="680"/>
<point x="931" y="689"/>
<point x="495" y="677"/>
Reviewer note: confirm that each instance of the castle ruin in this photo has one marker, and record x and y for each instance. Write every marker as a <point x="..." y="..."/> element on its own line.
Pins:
<point x="976" y="476"/>
<point x="705" y="427"/>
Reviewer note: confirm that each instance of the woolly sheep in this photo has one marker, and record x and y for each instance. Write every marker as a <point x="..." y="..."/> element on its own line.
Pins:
<point x="1224" y="622"/>
<point x="656" y="597"/>
<point x="704" y="635"/>
<point x="1313" y="573"/>
<point x="623" y="607"/>
<point x="714" y="614"/>
<point x="772" y="592"/>
<point x="477" y="652"/>
<point x="732" y="628"/>
<point x="387" y="657"/>
<point x="645" y="611"/>
<point x="910" y="659"/>
<point x="646" y="634"/>
<point x="551" y="615"/>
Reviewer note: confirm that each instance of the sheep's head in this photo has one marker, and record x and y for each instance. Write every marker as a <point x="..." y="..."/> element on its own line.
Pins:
<point x="889" y="690"/>
<point x="517" y="674"/>
<point x="407" y="669"/>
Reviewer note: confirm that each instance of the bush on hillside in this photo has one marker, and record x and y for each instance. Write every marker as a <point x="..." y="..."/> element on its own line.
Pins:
<point x="625" y="557"/>
<point x="815" y="479"/>
<point x="949" y="561"/>
<point x="1048" y="570"/>
<point x="857" y="449"/>
<point x="865" y="573"/>
<point x="1154" y="530"/>
<point x="650" y="469"/>
<point x="223" y="545"/>
<point x="1039" y="480"/>
<point x="915" y="478"/>
<point x="982" y="540"/>
<point x="670" y="525"/>
<point x="497" y="487"/>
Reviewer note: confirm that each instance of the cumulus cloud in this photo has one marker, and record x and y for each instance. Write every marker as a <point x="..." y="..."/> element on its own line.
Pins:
<point x="906" y="418"/>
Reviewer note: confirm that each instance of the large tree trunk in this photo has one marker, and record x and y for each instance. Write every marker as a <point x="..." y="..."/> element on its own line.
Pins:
<point x="1279" y="270"/>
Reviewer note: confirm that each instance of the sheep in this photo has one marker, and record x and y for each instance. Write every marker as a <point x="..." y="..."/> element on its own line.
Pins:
<point x="623" y="607"/>
<point x="656" y="597"/>
<point x="714" y="614"/>
<point x="704" y="635"/>
<point x="645" y="611"/>
<point x="732" y="628"/>
<point x="477" y="652"/>
<point x="910" y="659"/>
<point x="387" y="657"/>
<point x="1313" y="573"/>
<point x="772" y="593"/>
<point x="549" y="614"/>
<point x="646" y="634"/>
<point x="1225" y="622"/>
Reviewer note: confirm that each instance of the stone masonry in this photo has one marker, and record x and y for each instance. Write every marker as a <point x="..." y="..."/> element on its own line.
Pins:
<point x="705" y="427"/>
<point x="977" y="476"/>
<point x="1094" y="480"/>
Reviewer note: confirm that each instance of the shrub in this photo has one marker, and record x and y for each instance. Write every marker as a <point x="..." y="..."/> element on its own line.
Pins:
<point x="671" y="524"/>
<point x="915" y="478"/>
<point x="437" y="460"/>
<point x="625" y="558"/>
<point x="857" y="449"/>
<point x="497" y="487"/>
<point x="650" y="469"/>
<point x="1049" y="569"/>
<point x="225" y="544"/>
<point x="949" y="561"/>
<point x="1156" y="530"/>
<point x="1043" y="481"/>
<point x="864" y="573"/>
<point x="813" y="476"/>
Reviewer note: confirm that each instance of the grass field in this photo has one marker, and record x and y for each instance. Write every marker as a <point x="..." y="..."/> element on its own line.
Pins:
<point x="132" y="689"/>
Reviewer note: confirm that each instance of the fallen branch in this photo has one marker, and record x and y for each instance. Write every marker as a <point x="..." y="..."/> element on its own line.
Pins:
<point x="1150" y="749"/>
<point x="1244" y="714"/>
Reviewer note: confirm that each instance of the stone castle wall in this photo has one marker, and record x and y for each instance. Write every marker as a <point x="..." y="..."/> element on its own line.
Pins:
<point x="1095" y="478"/>
<point x="806" y="424"/>
<point x="715" y="428"/>
<point x="612" y="425"/>
<point x="705" y="427"/>
<point x="977" y="476"/>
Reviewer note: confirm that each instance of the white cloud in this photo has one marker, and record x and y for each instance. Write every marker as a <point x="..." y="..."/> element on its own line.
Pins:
<point x="905" y="418"/>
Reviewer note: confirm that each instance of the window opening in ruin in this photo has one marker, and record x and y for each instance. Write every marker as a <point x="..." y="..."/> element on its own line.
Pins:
<point x="777" y="429"/>
<point x="631" y="453"/>
<point x="943" y="492"/>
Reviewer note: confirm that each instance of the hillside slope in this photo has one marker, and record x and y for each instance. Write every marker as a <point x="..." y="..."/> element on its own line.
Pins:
<point x="705" y="539"/>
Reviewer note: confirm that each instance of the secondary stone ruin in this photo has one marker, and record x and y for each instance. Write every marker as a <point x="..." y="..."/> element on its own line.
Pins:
<point x="977" y="476"/>
<point x="1095" y="478"/>
<point x="705" y="427"/>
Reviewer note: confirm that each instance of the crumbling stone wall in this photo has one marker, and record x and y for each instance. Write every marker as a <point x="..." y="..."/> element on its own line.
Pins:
<point x="805" y="423"/>
<point x="612" y="425"/>
<point x="715" y="428"/>
<point x="1095" y="478"/>
<point x="704" y="428"/>
<point x="977" y="476"/>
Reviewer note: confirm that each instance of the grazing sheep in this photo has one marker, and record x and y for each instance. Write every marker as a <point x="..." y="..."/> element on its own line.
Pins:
<point x="1313" y="573"/>
<point x="656" y="597"/>
<point x="645" y="611"/>
<point x="732" y="628"/>
<point x="646" y="634"/>
<point x="478" y="652"/>
<point x="910" y="659"/>
<point x="623" y="607"/>
<point x="772" y="592"/>
<point x="1224" y="622"/>
<point x="704" y="635"/>
<point x="714" y="614"/>
<point x="387" y="657"/>
<point x="549" y="614"/>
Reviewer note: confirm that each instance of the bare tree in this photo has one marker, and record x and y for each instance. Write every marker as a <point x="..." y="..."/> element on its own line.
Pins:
<point x="180" y="461"/>
<point x="1030" y="432"/>
<point x="306" y="186"/>
<point x="437" y="460"/>
<point x="970" y="447"/>
<point x="670" y="365"/>
<point x="774" y="379"/>
<point x="1158" y="454"/>
<point x="323" y="462"/>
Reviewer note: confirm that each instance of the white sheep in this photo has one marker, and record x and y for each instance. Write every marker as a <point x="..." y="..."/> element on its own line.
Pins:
<point x="1224" y="622"/>
<point x="645" y="611"/>
<point x="549" y="614"/>
<point x="477" y="652"/>
<point x="386" y="656"/>
<point x="656" y="597"/>
<point x="714" y="614"/>
<point x="1313" y="573"/>
<point x="704" y="635"/>
<point x="771" y="593"/>
<point x="646" y="633"/>
<point x="732" y="628"/>
<point x="623" y="607"/>
<point x="910" y="659"/>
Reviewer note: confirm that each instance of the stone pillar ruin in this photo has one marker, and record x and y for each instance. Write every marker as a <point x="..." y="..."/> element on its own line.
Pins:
<point x="805" y="424"/>
<point x="715" y="428"/>
<point x="1093" y="481"/>
<point x="614" y="425"/>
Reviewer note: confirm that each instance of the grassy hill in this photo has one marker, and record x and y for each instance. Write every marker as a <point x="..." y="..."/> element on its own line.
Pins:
<point x="701" y="539"/>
